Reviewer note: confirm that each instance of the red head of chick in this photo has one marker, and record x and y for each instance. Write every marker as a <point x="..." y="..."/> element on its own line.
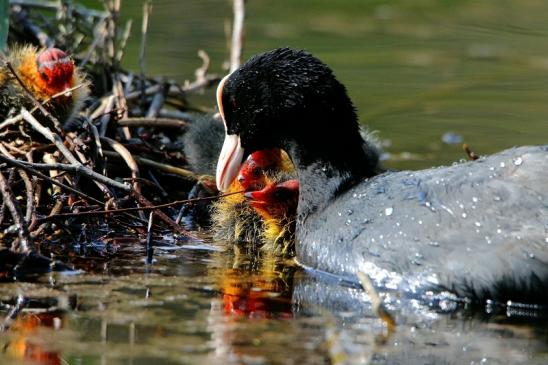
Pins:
<point x="276" y="204"/>
<point x="45" y="74"/>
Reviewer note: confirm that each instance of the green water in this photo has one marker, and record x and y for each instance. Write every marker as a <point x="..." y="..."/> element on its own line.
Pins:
<point x="415" y="70"/>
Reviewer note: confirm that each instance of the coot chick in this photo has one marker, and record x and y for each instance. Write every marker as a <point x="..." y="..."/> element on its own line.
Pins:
<point x="44" y="73"/>
<point x="238" y="219"/>
<point x="202" y="143"/>
<point x="477" y="229"/>
<point x="276" y="204"/>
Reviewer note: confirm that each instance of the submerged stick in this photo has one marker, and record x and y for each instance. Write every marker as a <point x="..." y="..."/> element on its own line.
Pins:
<point x="149" y="248"/>
<point x="376" y="301"/>
<point x="20" y="304"/>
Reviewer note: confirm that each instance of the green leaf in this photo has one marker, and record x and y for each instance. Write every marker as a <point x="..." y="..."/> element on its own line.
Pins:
<point x="4" y="24"/>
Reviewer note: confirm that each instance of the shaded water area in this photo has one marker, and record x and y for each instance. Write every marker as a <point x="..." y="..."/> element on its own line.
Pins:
<point x="427" y="75"/>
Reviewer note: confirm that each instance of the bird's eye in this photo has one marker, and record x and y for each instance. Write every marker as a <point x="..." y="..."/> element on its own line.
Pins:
<point x="44" y="76"/>
<point x="257" y="172"/>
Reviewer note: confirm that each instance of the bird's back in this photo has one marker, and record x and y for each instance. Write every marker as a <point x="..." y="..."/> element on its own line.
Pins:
<point x="478" y="228"/>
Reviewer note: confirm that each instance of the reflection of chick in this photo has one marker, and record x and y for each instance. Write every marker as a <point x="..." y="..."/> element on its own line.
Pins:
<point x="44" y="74"/>
<point x="233" y="218"/>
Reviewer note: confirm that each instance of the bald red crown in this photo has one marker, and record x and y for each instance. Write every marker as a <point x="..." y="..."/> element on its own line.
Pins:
<point x="251" y="175"/>
<point x="56" y="68"/>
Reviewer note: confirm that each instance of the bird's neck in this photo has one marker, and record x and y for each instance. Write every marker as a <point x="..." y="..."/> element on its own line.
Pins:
<point x="326" y="167"/>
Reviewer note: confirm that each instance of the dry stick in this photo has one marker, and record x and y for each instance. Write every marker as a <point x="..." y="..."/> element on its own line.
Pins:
<point x="166" y="168"/>
<point x="26" y="245"/>
<point x="98" y="151"/>
<point x="472" y="156"/>
<point x="125" y="210"/>
<point x="237" y="35"/>
<point x="75" y="169"/>
<point x="28" y="186"/>
<point x="84" y="159"/>
<point x="52" y="137"/>
<point x="156" y="104"/>
<point x="129" y="160"/>
<point x="143" y="201"/>
<point x="117" y="88"/>
<point x="121" y="103"/>
<point x="148" y="245"/>
<point x="76" y="166"/>
<point x="123" y="42"/>
<point x="32" y="167"/>
<point x="201" y="72"/>
<point x="47" y="114"/>
<point x="105" y="119"/>
<point x="147" y="9"/>
<point x="98" y="38"/>
<point x="152" y="122"/>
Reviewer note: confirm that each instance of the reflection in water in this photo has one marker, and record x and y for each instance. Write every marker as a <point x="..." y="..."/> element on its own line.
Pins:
<point x="204" y="306"/>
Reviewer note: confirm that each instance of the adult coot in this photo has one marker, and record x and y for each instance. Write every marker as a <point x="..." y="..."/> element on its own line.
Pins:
<point x="479" y="229"/>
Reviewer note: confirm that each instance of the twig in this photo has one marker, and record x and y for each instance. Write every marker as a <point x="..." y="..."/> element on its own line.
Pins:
<point x="135" y="209"/>
<point x="376" y="301"/>
<point x="152" y="122"/>
<point x="156" y="104"/>
<point x="144" y="201"/>
<point x="32" y="167"/>
<point x="26" y="244"/>
<point x="148" y="244"/>
<point x="105" y="119"/>
<point x="128" y="158"/>
<point x="472" y="156"/>
<point x="163" y="167"/>
<point x="29" y="187"/>
<point x="49" y="135"/>
<point x="147" y="9"/>
<point x="237" y="35"/>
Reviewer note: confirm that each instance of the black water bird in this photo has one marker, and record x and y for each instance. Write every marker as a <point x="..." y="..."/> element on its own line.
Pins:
<point x="478" y="229"/>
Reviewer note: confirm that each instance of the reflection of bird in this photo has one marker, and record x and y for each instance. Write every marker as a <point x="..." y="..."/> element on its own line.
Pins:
<point x="44" y="74"/>
<point x="477" y="229"/>
<point x="235" y="220"/>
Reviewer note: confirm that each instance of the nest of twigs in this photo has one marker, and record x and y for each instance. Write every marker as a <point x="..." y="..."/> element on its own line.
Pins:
<point x="113" y="168"/>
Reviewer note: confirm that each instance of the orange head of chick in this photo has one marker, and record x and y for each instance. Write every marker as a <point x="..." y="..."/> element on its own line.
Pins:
<point x="47" y="73"/>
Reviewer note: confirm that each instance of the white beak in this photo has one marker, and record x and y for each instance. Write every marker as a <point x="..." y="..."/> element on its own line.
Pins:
<point x="230" y="161"/>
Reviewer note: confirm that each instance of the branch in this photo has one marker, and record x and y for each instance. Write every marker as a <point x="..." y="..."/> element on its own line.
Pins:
<point x="237" y="35"/>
